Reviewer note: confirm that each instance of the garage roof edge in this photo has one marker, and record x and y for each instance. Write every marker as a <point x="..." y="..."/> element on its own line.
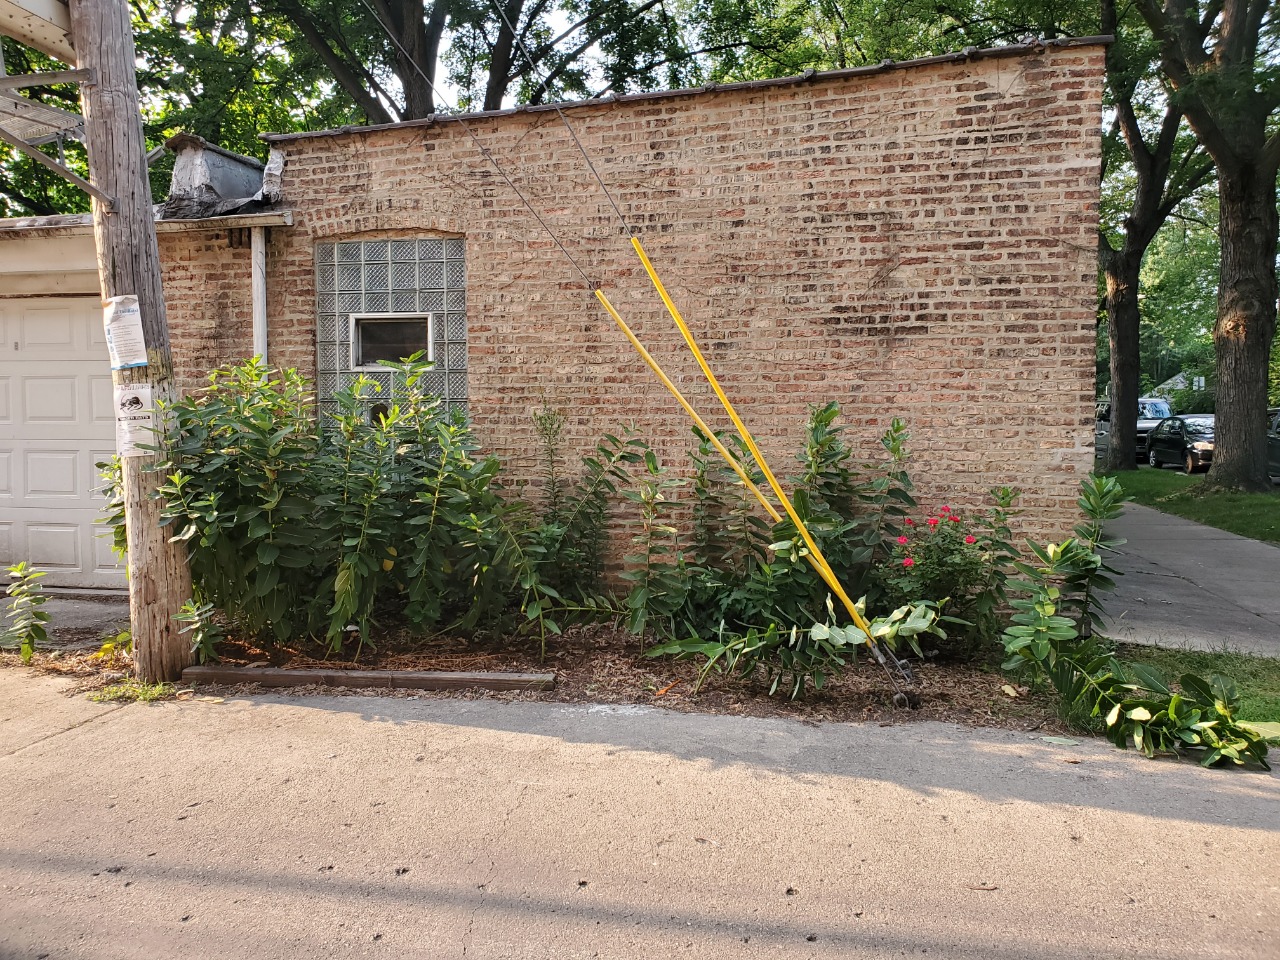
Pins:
<point x="809" y="76"/>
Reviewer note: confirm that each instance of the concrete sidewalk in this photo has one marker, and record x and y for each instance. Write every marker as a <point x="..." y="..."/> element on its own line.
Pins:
<point x="268" y="826"/>
<point x="1189" y="585"/>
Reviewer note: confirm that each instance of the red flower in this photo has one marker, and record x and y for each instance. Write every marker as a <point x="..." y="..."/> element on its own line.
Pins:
<point x="902" y="539"/>
<point x="910" y="522"/>
<point x="908" y="562"/>
<point x="946" y="509"/>
<point x="971" y="539"/>
<point x="954" y="518"/>
<point x="933" y="521"/>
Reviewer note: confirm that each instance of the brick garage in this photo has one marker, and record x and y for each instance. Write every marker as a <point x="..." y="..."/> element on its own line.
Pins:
<point x="914" y="241"/>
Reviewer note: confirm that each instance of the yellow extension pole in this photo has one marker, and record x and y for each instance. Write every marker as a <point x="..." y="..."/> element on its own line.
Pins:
<point x="819" y="561"/>
<point x="693" y="414"/>
<point x="816" y="560"/>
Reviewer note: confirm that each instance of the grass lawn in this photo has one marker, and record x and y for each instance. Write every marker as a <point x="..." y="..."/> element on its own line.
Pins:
<point x="1253" y="515"/>
<point x="1257" y="677"/>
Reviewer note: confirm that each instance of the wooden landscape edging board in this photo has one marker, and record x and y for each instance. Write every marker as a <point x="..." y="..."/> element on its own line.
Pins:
<point x="395" y="679"/>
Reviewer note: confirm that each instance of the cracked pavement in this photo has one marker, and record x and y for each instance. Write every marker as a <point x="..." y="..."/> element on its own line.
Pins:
<point x="1188" y="585"/>
<point x="281" y="826"/>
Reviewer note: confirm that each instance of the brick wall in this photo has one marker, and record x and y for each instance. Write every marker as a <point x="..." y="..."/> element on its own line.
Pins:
<point x="916" y="243"/>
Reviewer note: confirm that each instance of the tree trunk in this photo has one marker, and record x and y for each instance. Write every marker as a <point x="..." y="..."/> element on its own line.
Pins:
<point x="418" y="58"/>
<point x="1245" y="326"/>
<point x="129" y="264"/>
<point x="500" y="57"/>
<point x="1121" y="269"/>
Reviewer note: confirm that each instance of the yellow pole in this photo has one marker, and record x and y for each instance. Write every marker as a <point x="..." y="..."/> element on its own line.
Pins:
<point x="693" y="414"/>
<point x="815" y="558"/>
<point x="819" y="561"/>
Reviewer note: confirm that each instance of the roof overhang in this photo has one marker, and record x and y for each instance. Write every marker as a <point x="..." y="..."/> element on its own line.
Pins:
<point x="81" y="224"/>
<point x="42" y="24"/>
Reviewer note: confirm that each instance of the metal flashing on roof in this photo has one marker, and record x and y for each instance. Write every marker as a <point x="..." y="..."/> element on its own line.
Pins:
<point x="1031" y="45"/>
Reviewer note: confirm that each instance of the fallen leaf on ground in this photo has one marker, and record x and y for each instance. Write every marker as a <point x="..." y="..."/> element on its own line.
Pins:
<point x="668" y="687"/>
<point x="1010" y="691"/>
<point x="1062" y="741"/>
<point x="982" y="886"/>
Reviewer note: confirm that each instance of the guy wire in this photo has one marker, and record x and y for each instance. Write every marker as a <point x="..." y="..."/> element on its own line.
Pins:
<point x="457" y="117"/>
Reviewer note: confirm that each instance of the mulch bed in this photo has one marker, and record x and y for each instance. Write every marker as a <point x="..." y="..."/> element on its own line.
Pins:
<point x="607" y="665"/>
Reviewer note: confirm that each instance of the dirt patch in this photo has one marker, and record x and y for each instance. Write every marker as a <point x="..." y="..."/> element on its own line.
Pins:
<point x="603" y="664"/>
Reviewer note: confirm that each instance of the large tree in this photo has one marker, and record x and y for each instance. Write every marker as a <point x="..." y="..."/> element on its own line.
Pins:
<point x="1220" y="59"/>
<point x="1164" y="167"/>
<point x="387" y="54"/>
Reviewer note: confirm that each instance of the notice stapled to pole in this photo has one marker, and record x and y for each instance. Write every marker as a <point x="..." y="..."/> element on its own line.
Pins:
<point x="135" y="420"/>
<point x="122" y="321"/>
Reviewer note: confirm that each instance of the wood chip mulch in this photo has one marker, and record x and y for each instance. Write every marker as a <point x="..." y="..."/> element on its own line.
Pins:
<point x="607" y="665"/>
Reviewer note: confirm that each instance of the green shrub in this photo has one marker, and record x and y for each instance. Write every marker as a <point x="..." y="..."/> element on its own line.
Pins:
<point x="1052" y="639"/>
<point x="302" y="527"/>
<point x="24" y="627"/>
<point x="956" y="558"/>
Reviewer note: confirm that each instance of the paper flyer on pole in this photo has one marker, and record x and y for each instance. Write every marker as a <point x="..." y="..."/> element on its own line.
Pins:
<point x="135" y="419"/>
<point x="122" y="321"/>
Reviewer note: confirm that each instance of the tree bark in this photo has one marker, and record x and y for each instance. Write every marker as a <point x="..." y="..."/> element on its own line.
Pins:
<point x="418" y="56"/>
<point x="1121" y="270"/>
<point x="500" y="57"/>
<point x="1245" y="326"/>
<point x="129" y="264"/>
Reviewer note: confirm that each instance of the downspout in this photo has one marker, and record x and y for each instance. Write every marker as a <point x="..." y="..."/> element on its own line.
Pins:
<point x="258" y="290"/>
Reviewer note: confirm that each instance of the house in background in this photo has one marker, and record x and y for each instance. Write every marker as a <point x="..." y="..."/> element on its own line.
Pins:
<point x="56" y="420"/>
<point x="914" y="240"/>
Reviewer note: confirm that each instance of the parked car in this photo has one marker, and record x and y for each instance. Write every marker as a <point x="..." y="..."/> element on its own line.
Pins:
<point x="1273" y="443"/>
<point x="1151" y="410"/>
<point x="1185" y="440"/>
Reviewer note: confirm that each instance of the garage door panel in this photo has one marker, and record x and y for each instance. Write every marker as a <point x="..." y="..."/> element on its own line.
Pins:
<point x="6" y="400"/>
<point x="102" y="400"/>
<point x="104" y="558"/>
<point x="46" y="327"/>
<point x="51" y="400"/>
<point x="53" y="473"/>
<point x="6" y="473"/>
<point x="51" y="546"/>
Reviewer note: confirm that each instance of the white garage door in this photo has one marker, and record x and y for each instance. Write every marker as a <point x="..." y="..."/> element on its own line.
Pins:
<point x="55" y="424"/>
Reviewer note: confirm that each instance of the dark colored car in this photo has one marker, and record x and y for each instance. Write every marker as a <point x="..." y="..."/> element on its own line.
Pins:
<point x="1185" y="440"/>
<point x="1151" y="410"/>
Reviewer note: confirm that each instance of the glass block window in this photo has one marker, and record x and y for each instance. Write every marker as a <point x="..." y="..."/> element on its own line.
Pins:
<point x="376" y="298"/>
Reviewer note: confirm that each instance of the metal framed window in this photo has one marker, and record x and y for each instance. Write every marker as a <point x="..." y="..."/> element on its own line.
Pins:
<point x="379" y="337"/>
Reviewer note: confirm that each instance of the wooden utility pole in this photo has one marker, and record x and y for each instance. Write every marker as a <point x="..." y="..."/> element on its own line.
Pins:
<point x="129" y="265"/>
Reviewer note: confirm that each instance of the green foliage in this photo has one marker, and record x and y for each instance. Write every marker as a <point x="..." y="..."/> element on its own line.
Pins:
<point x="299" y="528"/>
<point x="852" y="514"/>
<point x="1133" y="702"/>
<point x="963" y="560"/>
<point x="660" y="580"/>
<point x="198" y="620"/>
<point x="24" y="620"/>
<point x="571" y="537"/>
<point x="1258" y="677"/>
<point x="791" y="659"/>
<point x="134" y="691"/>
<point x="1252" y="515"/>
<point x="751" y="603"/>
